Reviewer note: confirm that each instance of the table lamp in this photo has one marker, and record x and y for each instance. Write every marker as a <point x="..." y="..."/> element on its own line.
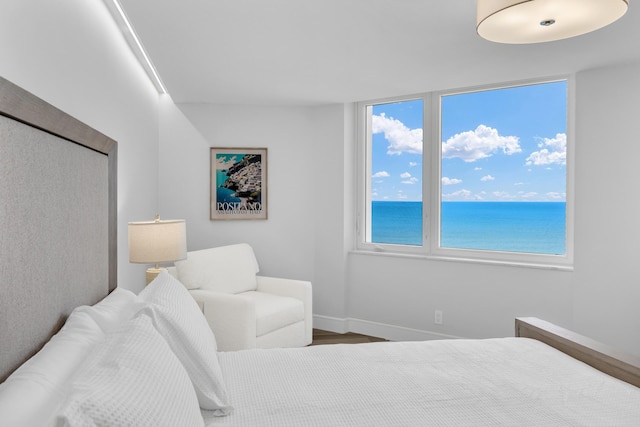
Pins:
<point x="156" y="242"/>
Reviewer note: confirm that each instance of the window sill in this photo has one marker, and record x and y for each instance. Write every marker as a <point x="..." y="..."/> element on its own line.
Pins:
<point x="461" y="259"/>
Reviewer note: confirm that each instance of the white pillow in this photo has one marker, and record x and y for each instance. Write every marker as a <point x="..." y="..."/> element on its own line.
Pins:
<point x="30" y="396"/>
<point x="177" y="317"/>
<point x="229" y="269"/>
<point x="117" y="307"/>
<point x="132" y="378"/>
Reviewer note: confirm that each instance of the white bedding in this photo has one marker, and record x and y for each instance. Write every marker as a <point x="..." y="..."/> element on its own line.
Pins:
<point x="508" y="382"/>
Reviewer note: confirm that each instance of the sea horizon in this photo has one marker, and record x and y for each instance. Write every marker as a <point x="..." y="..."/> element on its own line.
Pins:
<point x="512" y="226"/>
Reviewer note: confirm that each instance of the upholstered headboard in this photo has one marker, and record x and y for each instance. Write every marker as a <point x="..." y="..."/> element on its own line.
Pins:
<point x="58" y="228"/>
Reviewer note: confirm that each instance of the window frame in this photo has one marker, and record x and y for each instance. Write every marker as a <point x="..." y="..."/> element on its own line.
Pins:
<point x="432" y="185"/>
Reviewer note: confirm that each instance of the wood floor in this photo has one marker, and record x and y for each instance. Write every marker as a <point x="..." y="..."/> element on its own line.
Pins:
<point x="325" y="337"/>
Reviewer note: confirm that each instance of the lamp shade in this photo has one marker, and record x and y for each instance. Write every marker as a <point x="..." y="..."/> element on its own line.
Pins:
<point x="535" y="21"/>
<point x="155" y="242"/>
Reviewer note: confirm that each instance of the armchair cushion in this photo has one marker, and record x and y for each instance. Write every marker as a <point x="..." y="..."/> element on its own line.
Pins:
<point x="274" y="311"/>
<point x="228" y="269"/>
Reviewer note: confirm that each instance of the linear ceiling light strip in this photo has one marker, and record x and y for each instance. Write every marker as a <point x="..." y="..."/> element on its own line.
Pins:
<point x="137" y="47"/>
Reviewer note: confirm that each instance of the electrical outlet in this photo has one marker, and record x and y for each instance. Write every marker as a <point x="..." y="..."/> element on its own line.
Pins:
<point x="437" y="319"/>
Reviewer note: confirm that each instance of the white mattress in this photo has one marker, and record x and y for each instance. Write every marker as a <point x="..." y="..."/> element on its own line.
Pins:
<point x="508" y="382"/>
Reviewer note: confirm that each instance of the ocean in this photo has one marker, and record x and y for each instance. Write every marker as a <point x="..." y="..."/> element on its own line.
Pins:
<point x="529" y="227"/>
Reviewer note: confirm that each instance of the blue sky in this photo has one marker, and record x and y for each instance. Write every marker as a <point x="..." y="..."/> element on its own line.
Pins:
<point x="499" y="145"/>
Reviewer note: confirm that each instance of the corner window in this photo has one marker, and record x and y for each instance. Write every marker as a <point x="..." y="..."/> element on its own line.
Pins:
<point x="487" y="179"/>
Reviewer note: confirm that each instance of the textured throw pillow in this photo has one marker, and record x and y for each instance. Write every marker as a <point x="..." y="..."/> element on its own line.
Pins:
<point x="229" y="269"/>
<point x="43" y="380"/>
<point x="117" y="307"/>
<point x="132" y="378"/>
<point x="177" y="317"/>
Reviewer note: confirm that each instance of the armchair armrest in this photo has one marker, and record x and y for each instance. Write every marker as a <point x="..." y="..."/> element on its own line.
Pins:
<point x="231" y="318"/>
<point x="298" y="289"/>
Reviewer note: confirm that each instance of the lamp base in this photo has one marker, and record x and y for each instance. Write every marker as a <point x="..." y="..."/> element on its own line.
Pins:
<point x="152" y="273"/>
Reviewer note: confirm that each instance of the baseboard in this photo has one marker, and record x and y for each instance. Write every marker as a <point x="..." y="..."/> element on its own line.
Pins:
<point x="332" y="324"/>
<point x="376" y="329"/>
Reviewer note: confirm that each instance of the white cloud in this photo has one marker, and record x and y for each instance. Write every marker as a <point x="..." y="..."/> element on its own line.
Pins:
<point x="401" y="139"/>
<point x="411" y="180"/>
<point x="413" y="164"/>
<point x="552" y="151"/>
<point x="408" y="179"/>
<point x="487" y="178"/>
<point x="381" y="174"/>
<point x="531" y="195"/>
<point x="478" y="144"/>
<point x="450" y="181"/>
<point x="461" y="195"/>
<point x="555" y="196"/>
<point x="503" y="195"/>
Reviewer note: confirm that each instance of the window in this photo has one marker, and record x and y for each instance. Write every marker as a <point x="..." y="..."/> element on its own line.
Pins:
<point x="396" y="172"/>
<point x="486" y="179"/>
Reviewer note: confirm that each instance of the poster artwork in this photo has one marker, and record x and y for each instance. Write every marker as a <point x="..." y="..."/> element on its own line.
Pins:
<point x="238" y="183"/>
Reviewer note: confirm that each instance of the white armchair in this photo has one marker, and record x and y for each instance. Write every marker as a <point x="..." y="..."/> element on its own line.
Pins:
<point x="245" y="310"/>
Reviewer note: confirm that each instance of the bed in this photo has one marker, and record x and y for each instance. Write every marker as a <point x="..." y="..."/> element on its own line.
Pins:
<point x="77" y="350"/>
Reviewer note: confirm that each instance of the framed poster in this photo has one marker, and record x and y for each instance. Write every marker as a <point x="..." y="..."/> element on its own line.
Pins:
<point x="238" y="183"/>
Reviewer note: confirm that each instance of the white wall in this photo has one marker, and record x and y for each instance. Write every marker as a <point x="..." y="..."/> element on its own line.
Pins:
<point x="304" y="235"/>
<point x="607" y="280"/>
<point x="72" y="55"/>
<point x="284" y="243"/>
<point x="333" y="160"/>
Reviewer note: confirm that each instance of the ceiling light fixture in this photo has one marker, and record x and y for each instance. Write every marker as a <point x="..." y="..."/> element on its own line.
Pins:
<point x="535" y="21"/>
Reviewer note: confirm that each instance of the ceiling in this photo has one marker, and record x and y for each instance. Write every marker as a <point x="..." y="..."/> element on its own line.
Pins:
<point x="297" y="52"/>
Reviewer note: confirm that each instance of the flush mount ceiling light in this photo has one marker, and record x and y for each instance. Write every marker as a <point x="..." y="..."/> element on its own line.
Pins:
<point x="535" y="21"/>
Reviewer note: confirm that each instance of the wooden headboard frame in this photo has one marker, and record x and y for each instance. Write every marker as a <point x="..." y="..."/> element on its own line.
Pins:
<point x="18" y="108"/>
